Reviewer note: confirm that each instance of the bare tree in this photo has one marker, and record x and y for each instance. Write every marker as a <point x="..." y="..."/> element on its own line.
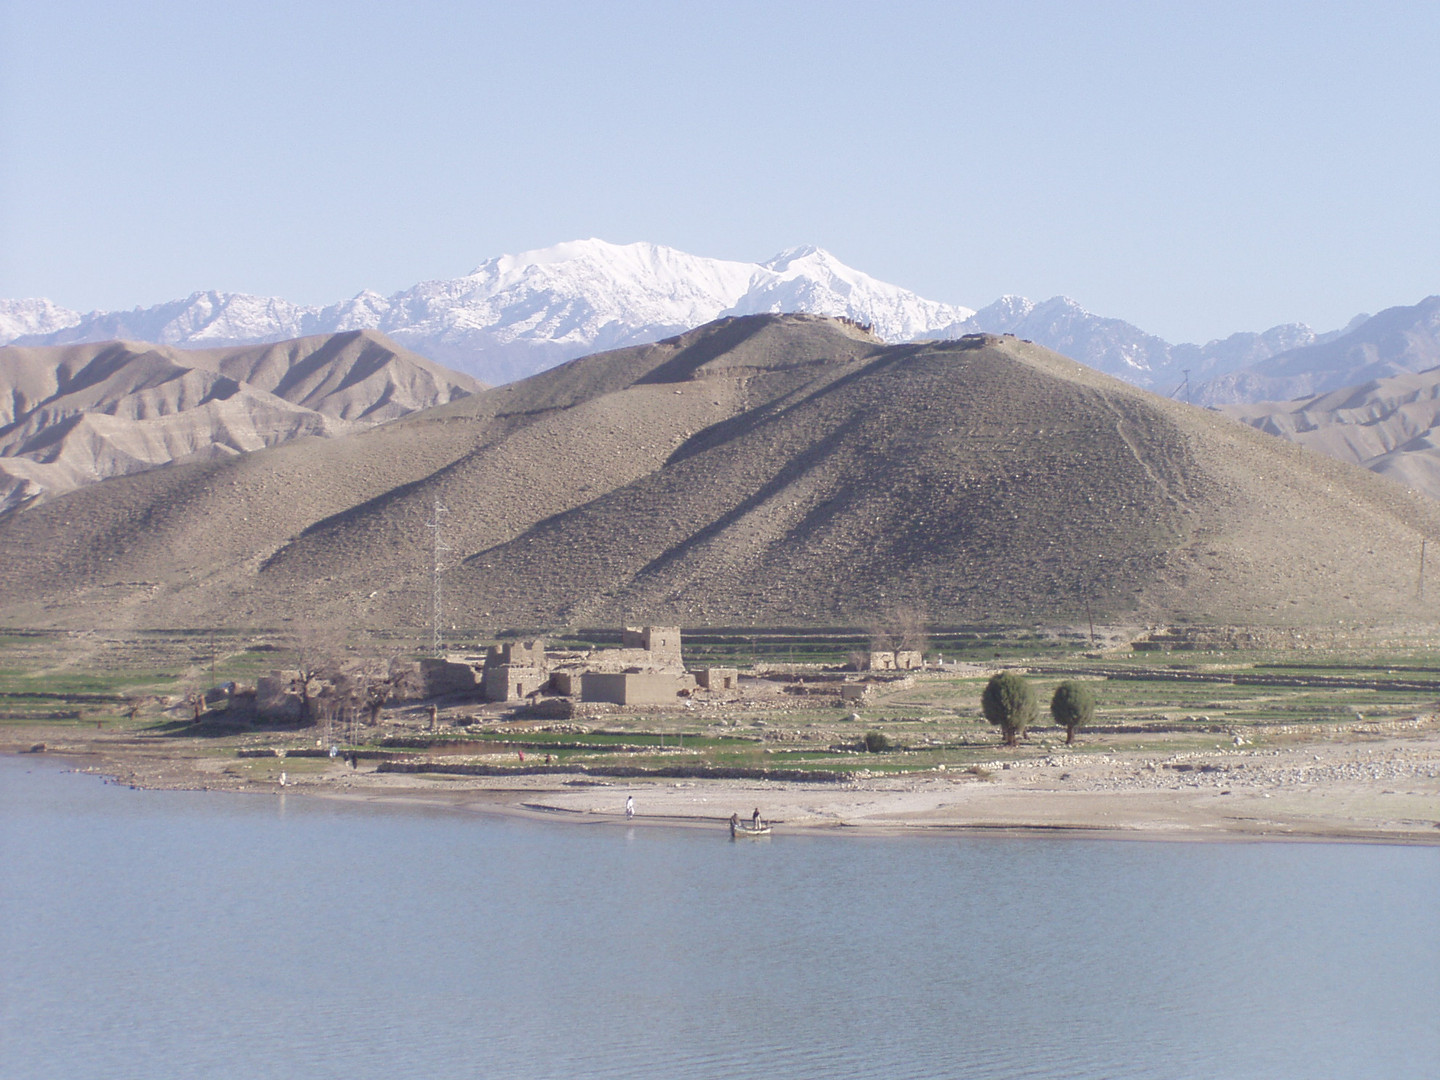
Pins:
<point x="317" y="652"/>
<point x="882" y="637"/>
<point x="902" y="627"/>
<point x="399" y="680"/>
<point x="911" y="631"/>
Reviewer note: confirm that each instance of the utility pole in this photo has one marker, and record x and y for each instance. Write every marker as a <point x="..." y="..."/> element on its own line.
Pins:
<point x="436" y="607"/>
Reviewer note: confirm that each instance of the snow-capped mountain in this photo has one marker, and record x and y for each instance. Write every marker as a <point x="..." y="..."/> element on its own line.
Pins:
<point x="518" y="314"/>
<point x="201" y="320"/>
<point x="811" y="280"/>
<point x="19" y="318"/>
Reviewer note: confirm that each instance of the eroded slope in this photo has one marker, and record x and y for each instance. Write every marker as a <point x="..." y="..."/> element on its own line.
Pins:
<point x="770" y="468"/>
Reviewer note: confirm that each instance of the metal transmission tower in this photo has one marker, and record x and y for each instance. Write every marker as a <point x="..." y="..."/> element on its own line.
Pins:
<point x="1184" y="388"/>
<point x="436" y="638"/>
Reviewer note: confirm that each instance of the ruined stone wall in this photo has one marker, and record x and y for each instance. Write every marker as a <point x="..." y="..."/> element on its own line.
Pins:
<point x="439" y="677"/>
<point x="519" y="652"/>
<point x="274" y="700"/>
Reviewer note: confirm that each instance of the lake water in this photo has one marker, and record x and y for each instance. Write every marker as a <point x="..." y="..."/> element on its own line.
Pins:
<point x="177" y="934"/>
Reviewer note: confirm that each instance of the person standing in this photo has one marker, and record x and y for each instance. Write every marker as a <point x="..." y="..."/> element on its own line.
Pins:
<point x="629" y="807"/>
<point x="755" y="819"/>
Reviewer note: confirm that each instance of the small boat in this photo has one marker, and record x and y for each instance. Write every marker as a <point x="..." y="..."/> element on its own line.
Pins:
<point x="748" y="831"/>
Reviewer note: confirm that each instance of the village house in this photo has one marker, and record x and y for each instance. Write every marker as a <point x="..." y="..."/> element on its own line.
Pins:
<point x="647" y="669"/>
<point x="515" y="670"/>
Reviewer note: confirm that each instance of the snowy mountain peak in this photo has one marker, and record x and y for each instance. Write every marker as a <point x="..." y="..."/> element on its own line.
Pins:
<point x="518" y="314"/>
<point x="521" y="313"/>
<point x="34" y="315"/>
<point x="782" y="260"/>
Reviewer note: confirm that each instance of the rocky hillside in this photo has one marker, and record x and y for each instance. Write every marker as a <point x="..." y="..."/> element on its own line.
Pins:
<point x="71" y="415"/>
<point x="1390" y="426"/>
<point x="768" y="469"/>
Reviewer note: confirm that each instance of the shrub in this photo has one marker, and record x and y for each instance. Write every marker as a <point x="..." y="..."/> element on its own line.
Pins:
<point x="877" y="743"/>
<point x="1073" y="706"/>
<point x="1009" y="703"/>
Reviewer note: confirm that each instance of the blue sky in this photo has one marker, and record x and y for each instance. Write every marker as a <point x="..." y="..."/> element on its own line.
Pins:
<point x="1193" y="168"/>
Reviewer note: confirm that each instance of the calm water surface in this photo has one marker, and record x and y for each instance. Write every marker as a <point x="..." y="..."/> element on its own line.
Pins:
<point x="177" y="934"/>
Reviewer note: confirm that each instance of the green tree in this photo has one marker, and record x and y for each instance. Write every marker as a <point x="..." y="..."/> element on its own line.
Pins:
<point x="1073" y="706"/>
<point x="1009" y="703"/>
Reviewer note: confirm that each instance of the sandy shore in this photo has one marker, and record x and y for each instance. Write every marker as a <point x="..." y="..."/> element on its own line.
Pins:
<point x="1384" y="788"/>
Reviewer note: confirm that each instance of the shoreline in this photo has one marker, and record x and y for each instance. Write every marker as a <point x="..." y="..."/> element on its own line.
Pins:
<point x="969" y="829"/>
<point x="1384" y="791"/>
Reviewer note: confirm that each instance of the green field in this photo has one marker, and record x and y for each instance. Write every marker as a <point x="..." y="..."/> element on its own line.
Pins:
<point x="82" y="682"/>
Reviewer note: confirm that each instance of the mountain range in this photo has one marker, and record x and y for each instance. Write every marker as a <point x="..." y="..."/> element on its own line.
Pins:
<point x="1397" y="341"/>
<point x="74" y="414"/>
<point x="519" y="314"/>
<point x="767" y="468"/>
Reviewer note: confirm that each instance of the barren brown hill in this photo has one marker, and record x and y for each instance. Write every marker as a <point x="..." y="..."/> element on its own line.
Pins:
<point x="72" y="415"/>
<point x="1389" y="426"/>
<point x="765" y="469"/>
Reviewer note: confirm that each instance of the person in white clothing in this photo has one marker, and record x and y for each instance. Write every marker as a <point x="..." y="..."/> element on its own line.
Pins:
<point x="629" y="806"/>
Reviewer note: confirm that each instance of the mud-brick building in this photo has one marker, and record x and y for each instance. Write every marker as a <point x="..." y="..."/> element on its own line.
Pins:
<point x="635" y="687"/>
<point x="662" y="643"/>
<point x="515" y="670"/>
<point x="647" y="669"/>
<point x="717" y="678"/>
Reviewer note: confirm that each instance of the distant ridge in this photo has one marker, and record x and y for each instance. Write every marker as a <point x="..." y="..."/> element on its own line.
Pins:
<point x="75" y="414"/>
<point x="766" y="469"/>
<point x="1127" y="352"/>
<point x="1390" y="426"/>
<point x="1399" y="340"/>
